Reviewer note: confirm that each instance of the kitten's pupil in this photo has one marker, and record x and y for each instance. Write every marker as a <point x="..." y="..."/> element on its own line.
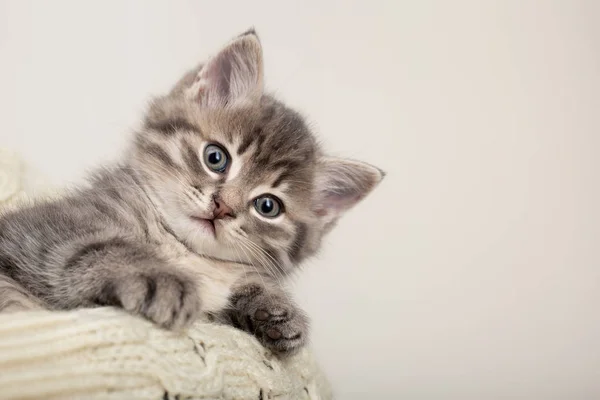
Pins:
<point x="215" y="158"/>
<point x="267" y="206"/>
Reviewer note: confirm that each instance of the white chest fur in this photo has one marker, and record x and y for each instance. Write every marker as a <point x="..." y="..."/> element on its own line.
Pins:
<point x="215" y="279"/>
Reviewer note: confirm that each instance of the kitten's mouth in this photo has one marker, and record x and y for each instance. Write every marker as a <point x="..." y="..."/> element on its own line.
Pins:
<point x="207" y="224"/>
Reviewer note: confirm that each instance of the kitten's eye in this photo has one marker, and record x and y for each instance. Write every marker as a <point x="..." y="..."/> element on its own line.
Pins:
<point x="216" y="158"/>
<point x="268" y="206"/>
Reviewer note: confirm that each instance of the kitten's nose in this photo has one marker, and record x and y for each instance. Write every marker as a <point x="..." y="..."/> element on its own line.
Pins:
<point x="221" y="209"/>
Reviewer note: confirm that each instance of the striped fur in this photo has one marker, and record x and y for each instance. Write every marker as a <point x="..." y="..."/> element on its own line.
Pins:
<point x="131" y="238"/>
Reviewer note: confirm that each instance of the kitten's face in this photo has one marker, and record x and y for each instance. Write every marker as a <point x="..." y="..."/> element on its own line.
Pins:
<point x="237" y="175"/>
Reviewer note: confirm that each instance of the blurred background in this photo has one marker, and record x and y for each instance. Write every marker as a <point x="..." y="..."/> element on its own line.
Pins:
<point x="473" y="271"/>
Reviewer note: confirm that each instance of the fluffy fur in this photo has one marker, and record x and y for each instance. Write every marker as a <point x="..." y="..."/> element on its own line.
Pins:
<point x="166" y="236"/>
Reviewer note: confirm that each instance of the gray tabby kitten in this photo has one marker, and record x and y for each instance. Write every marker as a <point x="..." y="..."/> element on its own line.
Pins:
<point x="222" y="194"/>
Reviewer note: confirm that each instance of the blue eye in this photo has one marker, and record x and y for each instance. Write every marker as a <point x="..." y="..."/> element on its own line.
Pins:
<point x="215" y="157"/>
<point x="268" y="206"/>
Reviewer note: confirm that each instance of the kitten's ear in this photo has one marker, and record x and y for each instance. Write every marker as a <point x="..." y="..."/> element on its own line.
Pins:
<point x="341" y="184"/>
<point x="232" y="77"/>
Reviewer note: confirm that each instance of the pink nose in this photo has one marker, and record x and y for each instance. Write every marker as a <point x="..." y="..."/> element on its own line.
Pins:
<point x="221" y="209"/>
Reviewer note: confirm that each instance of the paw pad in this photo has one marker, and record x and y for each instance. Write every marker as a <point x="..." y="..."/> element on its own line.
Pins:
<point x="274" y="334"/>
<point x="261" y="315"/>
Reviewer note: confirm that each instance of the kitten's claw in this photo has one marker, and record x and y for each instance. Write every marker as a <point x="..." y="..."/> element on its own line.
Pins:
<point x="168" y="299"/>
<point x="276" y="322"/>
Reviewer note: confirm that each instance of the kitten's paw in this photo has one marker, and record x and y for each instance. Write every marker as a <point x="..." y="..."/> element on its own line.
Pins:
<point x="169" y="299"/>
<point x="277" y="323"/>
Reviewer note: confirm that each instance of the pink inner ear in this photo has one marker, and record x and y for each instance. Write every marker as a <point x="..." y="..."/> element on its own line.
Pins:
<point x="232" y="76"/>
<point x="336" y="204"/>
<point x="321" y="212"/>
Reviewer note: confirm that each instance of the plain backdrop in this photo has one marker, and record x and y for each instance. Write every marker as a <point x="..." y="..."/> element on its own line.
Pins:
<point x="473" y="271"/>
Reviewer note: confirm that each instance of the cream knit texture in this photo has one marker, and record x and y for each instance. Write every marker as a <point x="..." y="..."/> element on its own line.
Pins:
<point x="105" y="353"/>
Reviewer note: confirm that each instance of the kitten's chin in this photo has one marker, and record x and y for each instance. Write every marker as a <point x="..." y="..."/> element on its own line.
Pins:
<point x="206" y="237"/>
<point x="207" y="225"/>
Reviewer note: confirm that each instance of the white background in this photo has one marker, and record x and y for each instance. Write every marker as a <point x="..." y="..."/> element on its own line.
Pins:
<point x="473" y="271"/>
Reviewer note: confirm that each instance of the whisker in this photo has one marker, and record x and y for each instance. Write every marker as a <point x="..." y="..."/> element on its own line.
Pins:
<point x="264" y="261"/>
<point x="253" y="266"/>
<point x="274" y="263"/>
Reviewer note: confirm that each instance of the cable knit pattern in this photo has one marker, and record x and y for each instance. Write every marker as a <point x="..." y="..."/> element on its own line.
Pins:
<point x="105" y="353"/>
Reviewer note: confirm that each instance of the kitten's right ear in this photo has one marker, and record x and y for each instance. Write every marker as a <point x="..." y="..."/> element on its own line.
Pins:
<point x="232" y="77"/>
<point x="340" y="185"/>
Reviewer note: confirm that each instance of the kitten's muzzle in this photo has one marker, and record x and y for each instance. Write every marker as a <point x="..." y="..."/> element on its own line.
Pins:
<point x="221" y="210"/>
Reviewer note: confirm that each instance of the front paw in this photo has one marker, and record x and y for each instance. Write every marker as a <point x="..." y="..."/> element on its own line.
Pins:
<point x="275" y="321"/>
<point x="168" y="299"/>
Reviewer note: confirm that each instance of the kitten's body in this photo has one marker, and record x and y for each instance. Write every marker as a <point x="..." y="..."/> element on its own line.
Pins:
<point x="171" y="233"/>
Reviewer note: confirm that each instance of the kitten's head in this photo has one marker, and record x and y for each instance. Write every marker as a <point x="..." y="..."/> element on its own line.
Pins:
<point x="235" y="173"/>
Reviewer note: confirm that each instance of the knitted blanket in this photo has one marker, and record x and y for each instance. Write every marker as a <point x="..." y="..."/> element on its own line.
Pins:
<point x="104" y="353"/>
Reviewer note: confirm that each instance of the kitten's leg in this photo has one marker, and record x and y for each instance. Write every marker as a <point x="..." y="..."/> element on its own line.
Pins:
<point x="119" y="273"/>
<point x="13" y="297"/>
<point x="267" y="313"/>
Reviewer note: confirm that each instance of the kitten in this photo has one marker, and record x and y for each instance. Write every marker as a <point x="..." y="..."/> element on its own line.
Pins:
<point x="222" y="194"/>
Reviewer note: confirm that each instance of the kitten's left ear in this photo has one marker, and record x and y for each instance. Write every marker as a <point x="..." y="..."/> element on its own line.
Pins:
<point x="232" y="77"/>
<point x="340" y="185"/>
